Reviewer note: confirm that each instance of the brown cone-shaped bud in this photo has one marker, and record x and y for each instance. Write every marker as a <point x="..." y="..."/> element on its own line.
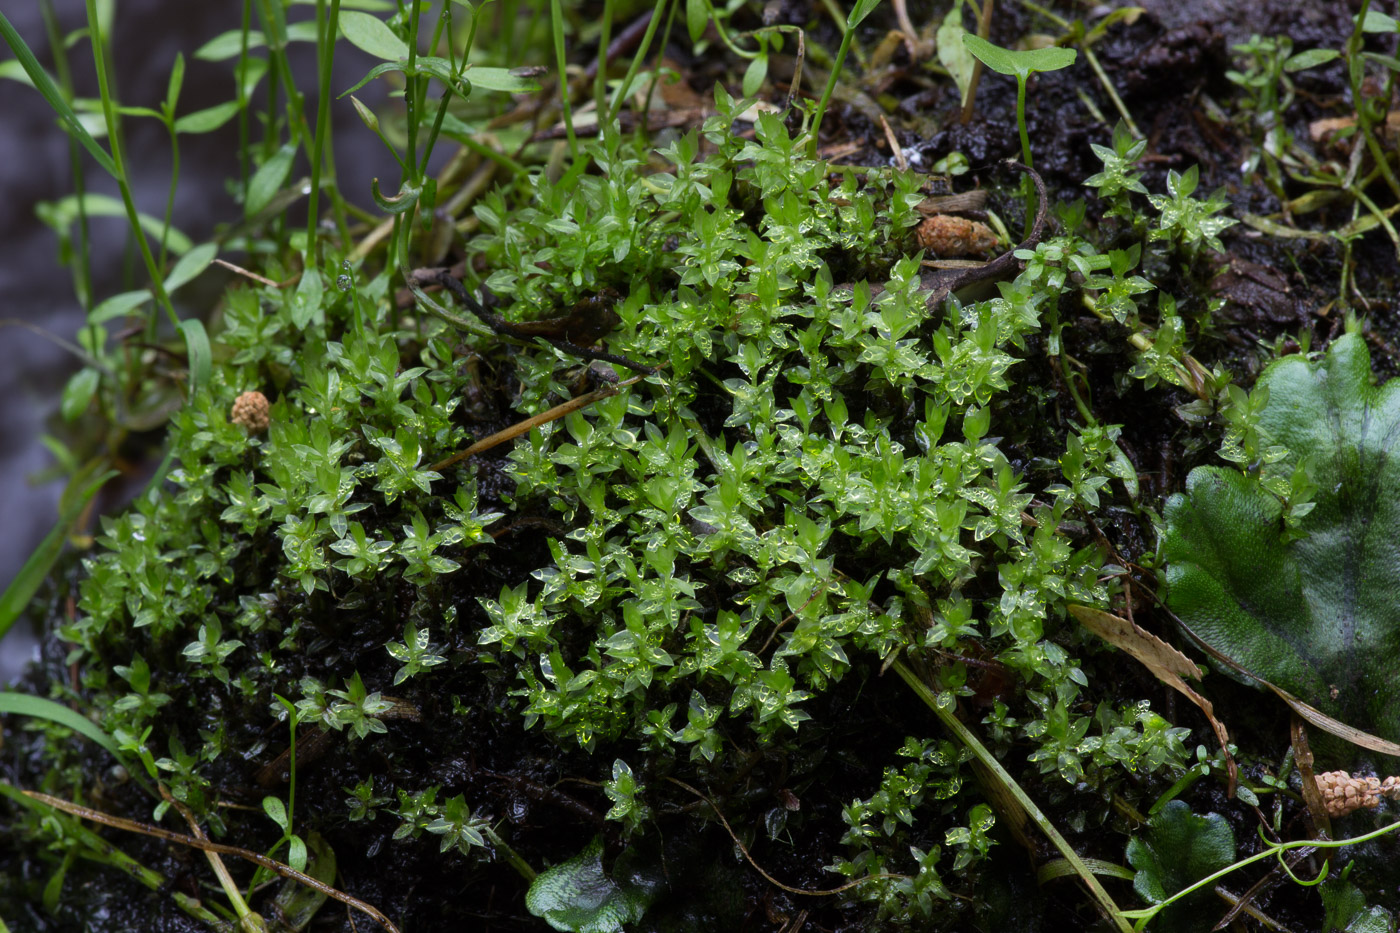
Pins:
<point x="946" y="235"/>
<point x="251" y="411"/>
<point x="1343" y="794"/>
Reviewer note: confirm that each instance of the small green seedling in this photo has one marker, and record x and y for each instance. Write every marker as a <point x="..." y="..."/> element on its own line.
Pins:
<point x="859" y="12"/>
<point x="1020" y="65"/>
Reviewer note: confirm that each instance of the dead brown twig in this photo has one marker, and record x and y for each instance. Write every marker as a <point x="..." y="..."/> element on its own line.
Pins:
<point x="529" y="424"/>
<point x="286" y="871"/>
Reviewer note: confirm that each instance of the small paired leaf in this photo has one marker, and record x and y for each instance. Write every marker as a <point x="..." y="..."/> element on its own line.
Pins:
<point x="191" y="265"/>
<point x="1020" y="65"/>
<point x="1376" y="21"/>
<point x="696" y="19"/>
<point x="306" y="300"/>
<point x="139" y="112"/>
<point x="12" y="69"/>
<point x="1311" y="59"/>
<point x="296" y="852"/>
<point x="276" y="811"/>
<point x="501" y="79"/>
<point x="77" y="394"/>
<point x="268" y="179"/>
<point x="207" y="120"/>
<point x="1385" y="61"/>
<point x="297" y="903"/>
<point x="228" y="45"/>
<point x="62" y="213"/>
<point x="755" y="73"/>
<point x="249" y="73"/>
<point x="370" y="34"/>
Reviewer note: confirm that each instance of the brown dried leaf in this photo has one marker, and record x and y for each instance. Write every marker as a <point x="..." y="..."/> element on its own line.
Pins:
<point x="1162" y="659"/>
<point x="946" y="235"/>
<point x="1165" y="662"/>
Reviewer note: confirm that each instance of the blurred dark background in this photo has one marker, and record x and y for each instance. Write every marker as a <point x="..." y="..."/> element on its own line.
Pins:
<point x="37" y="290"/>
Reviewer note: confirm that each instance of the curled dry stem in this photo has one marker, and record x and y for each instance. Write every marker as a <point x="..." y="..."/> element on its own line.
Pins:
<point x="759" y="868"/>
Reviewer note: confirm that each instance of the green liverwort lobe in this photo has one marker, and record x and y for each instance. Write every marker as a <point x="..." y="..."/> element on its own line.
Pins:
<point x="1315" y="615"/>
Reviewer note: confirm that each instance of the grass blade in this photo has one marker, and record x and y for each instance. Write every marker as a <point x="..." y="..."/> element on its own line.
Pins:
<point x="197" y="348"/>
<point x="51" y="93"/>
<point x="970" y="741"/>
<point x="26" y="583"/>
<point x="22" y="704"/>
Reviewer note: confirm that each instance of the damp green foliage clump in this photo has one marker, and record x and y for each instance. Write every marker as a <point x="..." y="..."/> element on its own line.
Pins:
<point x="781" y="559"/>
<point x="697" y="573"/>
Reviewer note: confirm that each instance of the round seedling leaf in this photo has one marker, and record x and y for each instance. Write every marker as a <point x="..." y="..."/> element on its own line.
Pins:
<point x="1018" y="64"/>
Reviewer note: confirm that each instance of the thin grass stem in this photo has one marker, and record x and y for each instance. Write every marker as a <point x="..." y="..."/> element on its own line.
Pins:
<point x="600" y="79"/>
<point x="81" y="265"/>
<point x="965" y="735"/>
<point x="109" y="113"/>
<point x="556" y="11"/>
<point x="327" y="25"/>
<point x="637" y="60"/>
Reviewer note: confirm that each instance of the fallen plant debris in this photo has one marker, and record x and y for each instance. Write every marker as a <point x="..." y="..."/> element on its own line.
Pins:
<point x="1166" y="663"/>
<point x="214" y="848"/>
<point x="946" y="235"/>
<point x="250" y="412"/>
